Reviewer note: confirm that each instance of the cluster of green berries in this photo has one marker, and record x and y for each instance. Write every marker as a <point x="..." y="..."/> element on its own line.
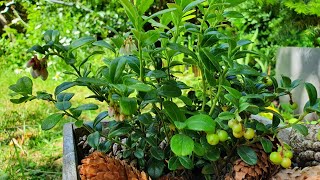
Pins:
<point x="281" y="157"/>
<point x="239" y="131"/>
<point x="215" y="138"/>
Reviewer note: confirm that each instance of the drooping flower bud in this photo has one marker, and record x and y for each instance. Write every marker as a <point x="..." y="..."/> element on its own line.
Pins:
<point x="38" y="67"/>
<point x="128" y="47"/>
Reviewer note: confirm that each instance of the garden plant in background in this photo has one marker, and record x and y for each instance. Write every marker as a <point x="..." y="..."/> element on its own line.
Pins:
<point x="164" y="123"/>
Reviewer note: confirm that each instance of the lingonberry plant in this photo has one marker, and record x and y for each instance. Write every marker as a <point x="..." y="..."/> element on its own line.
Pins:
<point x="159" y="119"/>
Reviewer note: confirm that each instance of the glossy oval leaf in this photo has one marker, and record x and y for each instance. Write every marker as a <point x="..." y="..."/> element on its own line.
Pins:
<point x="94" y="139"/>
<point x="87" y="107"/>
<point x="64" y="86"/>
<point x="100" y="117"/>
<point x="173" y="111"/>
<point x="232" y="14"/>
<point x="104" y="44"/>
<point x="139" y="153"/>
<point x="51" y="121"/>
<point x="119" y="132"/>
<point x="81" y="42"/>
<point x="226" y="115"/>
<point x="312" y="93"/>
<point x="186" y="162"/>
<point x="128" y="106"/>
<point x="181" y="145"/>
<point x="155" y="168"/>
<point x="157" y="153"/>
<point x="169" y="91"/>
<point x="213" y="154"/>
<point x="64" y="105"/>
<point x="201" y="122"/>
<point x="301" y="129"/>
<point x="247" y="154"/>
<point x="64" y="96"/>
<point x="199" y="149"/>
<point x="182" y="49"/>
<point x="266" y="144"/>
<point x="174" y="163"/>
<point x="141" y="87"/>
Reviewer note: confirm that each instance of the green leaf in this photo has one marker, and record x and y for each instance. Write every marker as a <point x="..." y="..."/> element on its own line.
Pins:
<point x="151" y="140"/>
<point x="22" y="99"/>
<point x="81" y="42"/>
<point x="212" y="58"/>
<point x="64" y="86"/>
<point x="143" y="5"/>
<point x="232" y="99"/>
<point x="199" y="149"/>
<point x="94" y="139"/>
<point x="201" y="122"/>
<point x="266" y="144"/>
<point x="182" y="49"/>
<point x="235" y="93"/>
<point x="159" y="13"/>
<point x="37" y="48"/>
<point x="192" y="5"/>
<point x="186" y="162"/>
<point x="285" y="81"/>
<point x="206" y="61"/>
<point x="213" y="154"/>
<point x="180" y="125"/>
<point x="173" y="111"/>
<point x="312" y="93"/>
<point x="301" y="128"/>
<point x="128" y="106"/>
<point x="275" y="121"/>
<point x="105" y="147"/>
<point x="247" y="154"/>
<point x="89" y="106"/>
<point x="157" y="153"/>
<point x="226" y="115"/>
<point x="232" y="14"/>
<point x="156" y="74"/>
<point x="99" y="118"/>
<point x="131" y="12"/>
<point x="155" y="168"/>
<point x="209" y="40"/>
<point x="243" y="42"/>
<point x="150" y="37"/>
<point x="174" y="163"/>
<point x="51" y="121"/>
<point x="63" y="105"/>
<point x="169" y="91"/>
<point x="186" y="100"/>
<point x="75" y="113"/>
<point x="79" y="123"/>
<point x="141" y="87"/>
<point x="92" y="81"/>
<point x="23" y="86"/>
<point x="207" y="169"/>
<point x="139" y="153"/>
<point x="145" y="119"/>
<point x="181" y="145"/>
<point x="119" y="132"/>
<point x="64" y="96"/>
<point x="104" y="44"/>
<point x="87" y="58"/>
<point x="117" y="41"/>
<point x="116" y="69"/>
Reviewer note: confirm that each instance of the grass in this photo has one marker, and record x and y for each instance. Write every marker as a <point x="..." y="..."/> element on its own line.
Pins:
<point x="27" y="152"/>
